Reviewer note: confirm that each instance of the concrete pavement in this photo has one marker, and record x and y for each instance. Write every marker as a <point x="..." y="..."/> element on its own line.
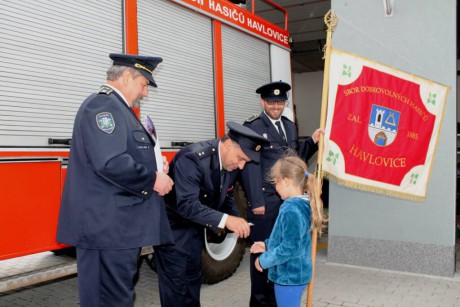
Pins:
<point x="334" y="285"/>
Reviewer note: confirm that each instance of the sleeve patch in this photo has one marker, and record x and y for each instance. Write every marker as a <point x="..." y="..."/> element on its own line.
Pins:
<point x="105" y="122"/>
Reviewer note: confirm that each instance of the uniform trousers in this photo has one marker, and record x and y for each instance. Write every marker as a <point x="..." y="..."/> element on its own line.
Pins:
<point x="179" y="268"/>
<point x="262" y="289"/>
<point x="105" y="277"/>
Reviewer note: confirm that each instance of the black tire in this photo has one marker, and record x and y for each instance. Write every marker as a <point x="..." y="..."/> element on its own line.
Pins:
<point x="215" y="270"/>
<point x="220" y="260"/>
<point x="222" y="254"/>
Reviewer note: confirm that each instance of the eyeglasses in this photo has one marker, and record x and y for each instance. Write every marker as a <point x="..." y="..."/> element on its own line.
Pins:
<point x="272" y="103"/>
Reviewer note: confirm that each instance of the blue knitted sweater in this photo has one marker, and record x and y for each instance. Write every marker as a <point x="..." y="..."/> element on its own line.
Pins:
<point x="288" y="256"/>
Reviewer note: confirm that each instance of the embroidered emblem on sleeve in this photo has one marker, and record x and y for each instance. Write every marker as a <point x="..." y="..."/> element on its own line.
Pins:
<point x="105" y="122"/>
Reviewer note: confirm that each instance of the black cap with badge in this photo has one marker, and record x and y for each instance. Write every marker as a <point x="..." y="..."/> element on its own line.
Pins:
<point x="274" y="91"/>
<point x="250" y="141"/>
<point x="144" y="64"/>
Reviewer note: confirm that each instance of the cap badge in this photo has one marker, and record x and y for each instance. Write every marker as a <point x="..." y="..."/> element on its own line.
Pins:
<point x="105" y="122"/>
<point x="265" y="135"/>
<point x="257" y="147"/>
<point x="277" y="92"/>
<point x="137" y="65"/>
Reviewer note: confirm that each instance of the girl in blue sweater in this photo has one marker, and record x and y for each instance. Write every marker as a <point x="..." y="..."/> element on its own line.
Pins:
<point x="286" y="254"/>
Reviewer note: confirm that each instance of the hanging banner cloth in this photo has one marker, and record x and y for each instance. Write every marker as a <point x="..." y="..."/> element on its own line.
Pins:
<point x="382" y="127"/>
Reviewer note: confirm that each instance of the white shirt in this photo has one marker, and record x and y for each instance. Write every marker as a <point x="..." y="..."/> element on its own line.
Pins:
<point x="119" y="93"/>
<point x="225" y="216"/>
<point x="274" y="123"/>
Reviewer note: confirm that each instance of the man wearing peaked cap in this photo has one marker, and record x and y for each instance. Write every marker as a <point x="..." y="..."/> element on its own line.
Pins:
<point x="144" y="64"/>
<point x="112" y="201"/>
<point x="274" y="91"/>
<point x="203" y="174"/>
<point x="263" y="201"/>
<point x="249" y="141"/>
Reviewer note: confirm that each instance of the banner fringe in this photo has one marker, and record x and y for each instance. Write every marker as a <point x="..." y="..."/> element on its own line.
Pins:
<point x="367" y="188"/>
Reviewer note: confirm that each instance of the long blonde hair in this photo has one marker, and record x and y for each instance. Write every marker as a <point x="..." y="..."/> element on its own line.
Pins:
<point x="294" y="168"/>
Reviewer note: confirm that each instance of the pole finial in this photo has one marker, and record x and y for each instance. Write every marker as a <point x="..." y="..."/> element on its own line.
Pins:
<point x="330" y="19"/>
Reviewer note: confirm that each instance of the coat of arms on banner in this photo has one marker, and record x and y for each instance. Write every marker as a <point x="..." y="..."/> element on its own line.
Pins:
<point x="382" y="127"/>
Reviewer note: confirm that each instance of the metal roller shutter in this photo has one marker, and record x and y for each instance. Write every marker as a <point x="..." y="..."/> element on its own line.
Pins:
<point x="182" y="106"/>
<point x="54" y="54"/>
<point x="246" y="67"/>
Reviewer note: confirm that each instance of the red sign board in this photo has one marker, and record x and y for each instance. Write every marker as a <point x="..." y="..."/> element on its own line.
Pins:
<point x="232" y="14"/>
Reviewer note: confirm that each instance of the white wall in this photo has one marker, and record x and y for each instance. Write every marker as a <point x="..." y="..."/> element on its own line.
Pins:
<point x="307" y="91"/>
<point x="280" y="60"/>
<point x="373" y="230"/>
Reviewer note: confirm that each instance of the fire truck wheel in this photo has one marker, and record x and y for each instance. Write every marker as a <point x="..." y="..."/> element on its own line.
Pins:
<point x="220" y="261"/>
<point x="221" y="256"/>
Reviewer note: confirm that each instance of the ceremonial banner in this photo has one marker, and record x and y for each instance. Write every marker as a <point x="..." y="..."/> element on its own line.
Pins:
<point x="382" y="127"/>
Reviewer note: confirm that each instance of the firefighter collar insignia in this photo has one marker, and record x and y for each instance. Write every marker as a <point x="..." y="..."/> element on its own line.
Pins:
<point x="105" y="122"/>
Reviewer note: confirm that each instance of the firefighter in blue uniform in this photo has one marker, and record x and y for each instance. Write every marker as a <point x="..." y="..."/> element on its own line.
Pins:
<point x="263" y="201"/>
<point x="203" y="175"/>
<point x="112" y="205"/>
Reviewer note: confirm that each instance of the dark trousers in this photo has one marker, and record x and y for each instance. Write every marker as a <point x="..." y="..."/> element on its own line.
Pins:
<point x="262" y="290"/>
<point x="179" y="269"/>
<point x="105" y="277"/>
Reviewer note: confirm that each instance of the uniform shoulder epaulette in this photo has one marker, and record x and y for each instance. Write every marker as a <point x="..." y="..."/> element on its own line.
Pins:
<point x="287" y="118"/>
<point x="205" y="152"/>
<point x="107" y="90"/>
<point x="252" y="118"/>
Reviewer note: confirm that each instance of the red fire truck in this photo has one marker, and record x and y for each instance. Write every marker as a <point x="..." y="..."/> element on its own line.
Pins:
<point x="55" y="53"/>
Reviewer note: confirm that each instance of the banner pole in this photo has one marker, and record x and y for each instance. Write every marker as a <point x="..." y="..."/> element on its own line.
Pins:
<point x="330" y="19"/>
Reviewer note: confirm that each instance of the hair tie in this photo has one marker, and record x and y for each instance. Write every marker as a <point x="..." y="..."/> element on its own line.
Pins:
<point x="306" y="174"/>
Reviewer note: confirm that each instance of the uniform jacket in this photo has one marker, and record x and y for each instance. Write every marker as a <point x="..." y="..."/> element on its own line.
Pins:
<point x="288" y="249"/>
<point x="199" y="198"/>
<point x="108" y="200"/>
<point x="259" y="191"/>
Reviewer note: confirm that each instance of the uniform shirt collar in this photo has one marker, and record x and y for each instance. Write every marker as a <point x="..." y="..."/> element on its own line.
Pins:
<point x="273" y="121"/>
<point x="119" y="93"/>
<point x="220" y="158"/>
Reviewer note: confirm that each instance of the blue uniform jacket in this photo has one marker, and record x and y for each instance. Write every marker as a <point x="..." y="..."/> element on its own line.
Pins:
<point x="288" y="249"/>
<point x="259" y="191"/>
<point x="199" y="198"/>
<point x="108" y="200"/>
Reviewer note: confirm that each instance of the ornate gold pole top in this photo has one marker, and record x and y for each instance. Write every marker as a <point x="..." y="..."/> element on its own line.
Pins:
<point x="330" y="19"/>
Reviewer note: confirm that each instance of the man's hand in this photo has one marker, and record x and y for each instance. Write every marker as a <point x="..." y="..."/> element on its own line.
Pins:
<point x="163" y="184"/>
<point x="165" y="165"/>
<point x="239" y="226"/>
<point x="259" y="210"/>
<point x="316" y="134"/>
